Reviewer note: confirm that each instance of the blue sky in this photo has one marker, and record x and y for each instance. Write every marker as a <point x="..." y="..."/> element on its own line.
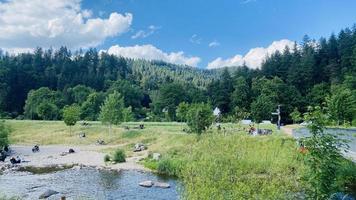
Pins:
<point x="231" y="27"/>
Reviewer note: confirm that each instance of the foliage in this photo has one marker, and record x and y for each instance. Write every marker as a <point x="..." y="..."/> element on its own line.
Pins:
<point x="182" y="111"/>
<point x="346" y="177"/>
<point x="261" y="108"/>
<point x="4" y="133"/>
<point x="71" y="115"/>
<point x="169" y="166"/>
<point x="200" y="117"/>
<point x="240" y="95"/>
<point x="42" y="103"/>
<point x="119" y="156"/>
<point x="342" y="105"/>
<point x="107" y="158"/>
<point x="127" y="114"/>
<point x="323" y="157"/>
<point x="47" y="111"/>
<point x="112" y="110"/>
<point x="220" y="90"/>
<point x="90" y="108"/>
<point x="171" y="95"/>
<point x="79" y="93"/>
<point x="242" y="167"/>
<point x="296" y="116"/>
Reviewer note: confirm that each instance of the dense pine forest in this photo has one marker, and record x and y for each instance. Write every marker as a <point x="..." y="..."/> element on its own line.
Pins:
<point x="39" y="85"/>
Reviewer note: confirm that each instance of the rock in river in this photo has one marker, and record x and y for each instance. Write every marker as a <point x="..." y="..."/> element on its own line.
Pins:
<point x="162" y="185"/>
<point x="146" y="184"/>
<point x="47" y="194"/>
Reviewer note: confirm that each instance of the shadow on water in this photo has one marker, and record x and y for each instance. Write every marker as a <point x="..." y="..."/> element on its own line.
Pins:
<point x="87" y="183"/>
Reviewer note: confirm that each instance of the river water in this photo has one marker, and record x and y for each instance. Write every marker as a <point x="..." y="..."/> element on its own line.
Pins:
<point x="87" y="183"/>
<point x="342" y="133"/>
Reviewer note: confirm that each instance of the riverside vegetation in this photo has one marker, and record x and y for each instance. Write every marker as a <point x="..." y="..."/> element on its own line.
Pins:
<point x="218" y="164"/>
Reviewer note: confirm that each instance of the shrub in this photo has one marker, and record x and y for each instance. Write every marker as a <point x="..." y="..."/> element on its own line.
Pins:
<point x="169" y="166"/>
<point x="324" y="156"/>
<point x="346" y="177"/>
<point x="107" y="158"/>
<point x="200" y="117"/>
<point x="119" y="156"/>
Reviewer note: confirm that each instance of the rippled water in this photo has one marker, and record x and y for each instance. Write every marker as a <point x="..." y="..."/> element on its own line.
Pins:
<point x="87" y="184"/>
<point x="348" y="134"/>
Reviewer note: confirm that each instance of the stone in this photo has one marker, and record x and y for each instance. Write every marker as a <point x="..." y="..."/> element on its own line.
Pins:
<point x="156" y="156"/>
<point x="77" y="167"/>
<point x="146" y="184"/>
<point x="139" y="147"/>
<point x="47" y="194"/>
<point x="100" y="142"/>
<point x="161" y="185"/>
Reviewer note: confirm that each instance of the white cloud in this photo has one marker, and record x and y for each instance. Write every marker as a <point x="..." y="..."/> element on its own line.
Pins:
<point x="247" y="1"/>
<point x="150" y="52"/>
<point x="214" y="44"/>
<point x="195" y="39"/>
<point x="145" y="33"/>
<point x="253" y="58"/>
<point x="52" y="23"/>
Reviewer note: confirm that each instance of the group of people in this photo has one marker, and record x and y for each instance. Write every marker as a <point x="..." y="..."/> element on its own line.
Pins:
<point x="14" y="160"/>
<point x="5" y="152"/>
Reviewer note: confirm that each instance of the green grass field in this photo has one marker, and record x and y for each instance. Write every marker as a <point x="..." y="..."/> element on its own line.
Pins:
<point x="159" y="135"/>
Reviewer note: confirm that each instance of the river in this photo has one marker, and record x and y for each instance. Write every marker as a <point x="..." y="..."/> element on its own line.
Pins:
<point x="87" y="183"/>
<point x="342" y="133"/>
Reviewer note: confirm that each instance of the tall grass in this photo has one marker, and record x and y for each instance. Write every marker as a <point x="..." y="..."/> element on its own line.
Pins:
<point x="242" y="167"/>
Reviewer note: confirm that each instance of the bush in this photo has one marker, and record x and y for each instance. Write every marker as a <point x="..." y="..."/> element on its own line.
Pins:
<point x="169" y="166"/>
<point x="200" y="117"/>
<point x="346" y="177"/>
<point x="107" y="158"/>
<point x="119" y="156"/>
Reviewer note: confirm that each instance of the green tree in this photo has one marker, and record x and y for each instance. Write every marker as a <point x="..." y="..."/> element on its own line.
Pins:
<point x="240" y="95"/>
<point x="182" y="111"/>
<point x="341" y="104"/>
<point x="170" y="96"/>
<point x="323" y="157"/>
<point x="127" y="114"/>
<point x="34" y="100"/>
<point x="262" y="108"/>
<point x="112" y="110"/>
<point x="71" y="114"/>
<point x="318" y="93"/>
<point x="47" y="111"/>
<point x="296" y="116"/>
<point x="90" y="108"/>
<point x="80" y="93"/>
<point x="200" y="117"/>
<point x="4" y="133"/>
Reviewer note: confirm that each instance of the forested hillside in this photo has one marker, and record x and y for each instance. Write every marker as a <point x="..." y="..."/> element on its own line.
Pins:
<point x="61" y="71"/>
<point x="38" y="85"/>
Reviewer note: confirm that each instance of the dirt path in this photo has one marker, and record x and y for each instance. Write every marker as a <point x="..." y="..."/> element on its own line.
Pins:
<point x="287" y="130"/>
<point x="84" y="155"/>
